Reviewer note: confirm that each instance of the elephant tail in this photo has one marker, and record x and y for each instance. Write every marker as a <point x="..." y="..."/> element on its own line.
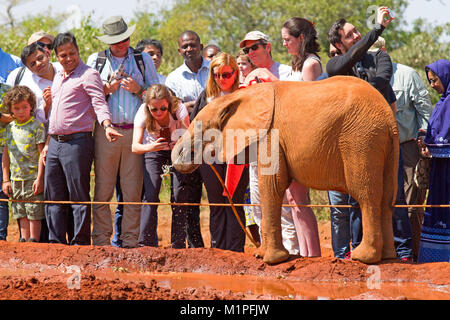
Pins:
<point x="391" y="168"/>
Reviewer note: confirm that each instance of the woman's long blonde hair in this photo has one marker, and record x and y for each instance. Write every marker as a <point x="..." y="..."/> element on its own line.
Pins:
<point x="221" y="60"/>
<point x="159" y="92"/>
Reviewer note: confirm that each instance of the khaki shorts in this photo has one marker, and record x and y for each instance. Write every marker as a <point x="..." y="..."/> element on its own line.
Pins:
<point x="23" y="190"/>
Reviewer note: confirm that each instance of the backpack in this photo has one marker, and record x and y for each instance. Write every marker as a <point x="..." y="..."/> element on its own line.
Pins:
<point x="19" y="76"/>
<point x="101" y="61"/>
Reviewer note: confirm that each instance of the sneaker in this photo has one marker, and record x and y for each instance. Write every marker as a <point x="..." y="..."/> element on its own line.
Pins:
<point x="32" y="240"/>
<point x="406" y="259"/>
<point x="22" y="240"/>
<point x="348" y="256"/>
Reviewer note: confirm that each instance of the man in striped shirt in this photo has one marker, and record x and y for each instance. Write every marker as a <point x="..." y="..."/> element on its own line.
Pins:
<point x="124" y="83"/>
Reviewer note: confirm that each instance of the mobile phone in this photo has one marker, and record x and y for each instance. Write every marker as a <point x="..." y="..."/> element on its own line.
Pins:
<point x="119" y="72"/>
<point x="165" y="134"/>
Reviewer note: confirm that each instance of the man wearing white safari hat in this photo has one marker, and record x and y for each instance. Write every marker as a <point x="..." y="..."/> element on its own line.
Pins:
<point x="126" y="74"/>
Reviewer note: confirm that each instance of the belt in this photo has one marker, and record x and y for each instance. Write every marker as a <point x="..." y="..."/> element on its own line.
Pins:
<point x="124" y="126"/>
<point x="68" y="137"/>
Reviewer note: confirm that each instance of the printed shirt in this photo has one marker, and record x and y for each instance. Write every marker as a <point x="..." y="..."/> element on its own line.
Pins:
<point x="8" y="63"/>
<point x="186" y="84"/>
<point x="37" y="85"/>
<point x="123" y="104"/>
<point x="22" y="140"/>
<point x="77" y="100"/>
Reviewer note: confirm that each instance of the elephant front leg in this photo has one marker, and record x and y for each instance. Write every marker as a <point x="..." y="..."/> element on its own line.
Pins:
<point x="271" y="195"/>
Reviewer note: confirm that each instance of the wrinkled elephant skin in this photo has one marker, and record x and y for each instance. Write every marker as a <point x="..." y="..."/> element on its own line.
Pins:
<point x="335" y="134"/>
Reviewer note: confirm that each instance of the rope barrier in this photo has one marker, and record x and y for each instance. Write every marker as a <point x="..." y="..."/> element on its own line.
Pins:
<point x="205" y="204"/>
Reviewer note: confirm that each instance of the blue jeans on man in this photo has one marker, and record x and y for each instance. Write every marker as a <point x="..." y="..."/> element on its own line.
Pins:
<point x="346" y="224"/>
<point x="118" y="214"/>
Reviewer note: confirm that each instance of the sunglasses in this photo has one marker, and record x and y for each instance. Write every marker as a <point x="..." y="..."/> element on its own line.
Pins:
<point x="252" y="48"/>
<point x="225" y="75"/>
<point x="123" y="41"/>
<point x="156" y="109"/>
<point x="46" y="45"/>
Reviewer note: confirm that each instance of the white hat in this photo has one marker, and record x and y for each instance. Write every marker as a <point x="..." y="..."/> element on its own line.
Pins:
<point x="115" y="30"/>
<point x="254" y="35"/>
<point x="39" y="35"/>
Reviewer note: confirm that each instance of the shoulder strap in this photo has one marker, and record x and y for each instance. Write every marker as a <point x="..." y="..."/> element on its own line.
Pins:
<point x="19" y="76"/>
<point x="140" y="62"/>
<point x="101" y="61"/>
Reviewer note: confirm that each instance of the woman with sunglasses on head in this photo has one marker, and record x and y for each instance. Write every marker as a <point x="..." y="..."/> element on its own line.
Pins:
<point x="156" y="130"/>
<point x="300" y="39"/>
<point x="226" y="233"/>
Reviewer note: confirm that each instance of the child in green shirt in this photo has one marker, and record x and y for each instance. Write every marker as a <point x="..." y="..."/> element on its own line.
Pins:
<point x="23" y="168"/>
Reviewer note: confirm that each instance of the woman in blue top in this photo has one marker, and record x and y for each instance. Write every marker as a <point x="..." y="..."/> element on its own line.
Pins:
<point x="435" y="237"/>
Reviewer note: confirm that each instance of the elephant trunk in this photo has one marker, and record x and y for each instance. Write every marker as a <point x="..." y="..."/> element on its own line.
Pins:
<point x="182" y="158"/>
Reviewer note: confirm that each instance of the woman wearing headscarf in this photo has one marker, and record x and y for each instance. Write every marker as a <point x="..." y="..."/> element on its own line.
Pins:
<point x="435" y="237"/>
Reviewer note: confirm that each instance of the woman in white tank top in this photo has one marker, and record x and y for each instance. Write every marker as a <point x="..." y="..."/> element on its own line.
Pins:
<point x="300" y="39"/>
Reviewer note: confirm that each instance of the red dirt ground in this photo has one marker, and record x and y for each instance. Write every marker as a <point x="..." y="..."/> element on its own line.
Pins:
<point x="59" y="272"/>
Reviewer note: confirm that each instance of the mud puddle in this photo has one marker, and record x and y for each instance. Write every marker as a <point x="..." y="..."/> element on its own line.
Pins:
<point x="253" y="286"/>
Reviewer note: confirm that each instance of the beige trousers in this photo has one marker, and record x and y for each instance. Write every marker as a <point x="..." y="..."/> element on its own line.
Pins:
<point x="109" y="159"/>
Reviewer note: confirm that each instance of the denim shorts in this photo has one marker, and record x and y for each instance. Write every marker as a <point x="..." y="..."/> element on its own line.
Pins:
<point x="23" y="190"/>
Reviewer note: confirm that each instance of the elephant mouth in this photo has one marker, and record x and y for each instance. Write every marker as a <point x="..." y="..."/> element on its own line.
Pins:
<point x="182" y="160"/>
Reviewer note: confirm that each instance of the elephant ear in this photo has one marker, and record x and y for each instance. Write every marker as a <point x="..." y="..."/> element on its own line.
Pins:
<point x="244" y="117"/>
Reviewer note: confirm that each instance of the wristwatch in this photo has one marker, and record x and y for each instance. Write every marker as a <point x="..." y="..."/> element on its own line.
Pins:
<point x="139" y="93"/>
<point x="109" y="125"/>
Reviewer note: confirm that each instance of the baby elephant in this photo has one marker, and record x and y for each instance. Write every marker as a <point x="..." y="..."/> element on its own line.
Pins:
<point x="336" y="134"/>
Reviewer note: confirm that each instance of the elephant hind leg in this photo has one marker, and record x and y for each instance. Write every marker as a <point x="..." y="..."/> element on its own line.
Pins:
<point x="370" y="248"/>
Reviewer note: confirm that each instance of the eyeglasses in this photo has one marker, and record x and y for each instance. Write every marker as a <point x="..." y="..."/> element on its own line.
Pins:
<point x="252" y="48"/>
<point x="47" y="45"/>
<point x="225" y="75"/>
<point x="156" y="109"/>
<point x="123" y="41"/>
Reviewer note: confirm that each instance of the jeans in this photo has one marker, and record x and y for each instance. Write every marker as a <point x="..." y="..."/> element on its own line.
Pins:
<point x="116" y="241"/>
<point x="400" y="219"/>
<point x="346" y="224"/>
<point x="148" y="236"/>
<point x="4" y="211"/>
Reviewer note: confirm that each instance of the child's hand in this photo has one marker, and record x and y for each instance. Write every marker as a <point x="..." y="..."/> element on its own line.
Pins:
<point x="38" y="187"/>
<point x="6" y="188"/>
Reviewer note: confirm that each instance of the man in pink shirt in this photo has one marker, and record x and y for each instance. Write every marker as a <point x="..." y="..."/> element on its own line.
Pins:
<point x="77" y="101"/>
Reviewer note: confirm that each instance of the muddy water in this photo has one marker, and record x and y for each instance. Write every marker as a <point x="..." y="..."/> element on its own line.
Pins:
<point x="289" y="289"/>
<point x="254" y="286"/>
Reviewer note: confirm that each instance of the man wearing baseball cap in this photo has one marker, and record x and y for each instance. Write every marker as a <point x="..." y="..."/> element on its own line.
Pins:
<point x="258" y="48"/>
<point x="43" y="39"/>
<point x="126" y="74"/>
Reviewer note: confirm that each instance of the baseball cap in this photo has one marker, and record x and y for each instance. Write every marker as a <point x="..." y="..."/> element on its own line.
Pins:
<point x="39" y="35"/>
<point x="254" y="35"/>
